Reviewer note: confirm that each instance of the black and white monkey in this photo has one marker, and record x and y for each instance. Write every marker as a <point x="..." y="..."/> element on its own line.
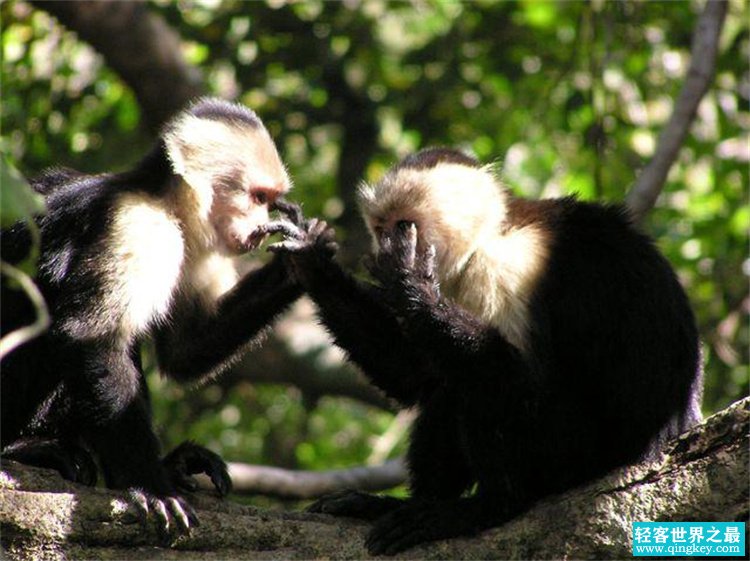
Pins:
<point x="125" y="256"/>
<point x="544" y="342"/>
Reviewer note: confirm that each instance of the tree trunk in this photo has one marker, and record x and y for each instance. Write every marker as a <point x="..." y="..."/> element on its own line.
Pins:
<point x="703" y="475"/>
<point x="140" y="46"/>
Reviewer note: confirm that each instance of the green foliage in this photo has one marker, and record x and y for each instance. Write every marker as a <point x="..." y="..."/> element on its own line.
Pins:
<point x="20" y="202"/>
<point x="568" y="97"/>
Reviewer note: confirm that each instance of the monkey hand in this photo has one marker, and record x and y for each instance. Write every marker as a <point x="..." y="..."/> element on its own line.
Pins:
<point x="307" y="244"/>
<point x="189" y="459"/>
<point x="406" y="271"/>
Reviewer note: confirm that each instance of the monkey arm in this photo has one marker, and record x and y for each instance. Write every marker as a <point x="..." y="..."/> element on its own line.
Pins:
<point x="355" y="313"/>
<point x="362" y="324"/>
<point x="198" y="341"/>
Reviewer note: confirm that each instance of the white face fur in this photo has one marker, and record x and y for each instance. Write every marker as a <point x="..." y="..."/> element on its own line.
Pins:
<point x="455" y="208"/>
<point x="232" y="172"/>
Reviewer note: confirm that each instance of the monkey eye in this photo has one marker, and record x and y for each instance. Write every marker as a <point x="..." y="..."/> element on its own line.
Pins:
<point x="259" y="196"/>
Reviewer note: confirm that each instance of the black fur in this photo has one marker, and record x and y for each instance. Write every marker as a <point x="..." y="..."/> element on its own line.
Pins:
<point x="612" y="371"/>
<point x="431" y="157"/>
<point x="218" y="110"/>
<point x="73" y="389"/>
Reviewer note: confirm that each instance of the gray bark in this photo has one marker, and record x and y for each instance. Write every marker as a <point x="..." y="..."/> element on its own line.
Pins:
<point x="642" y="196"/>
<point x="703" y="475"/>
<point x="299" y="484"/>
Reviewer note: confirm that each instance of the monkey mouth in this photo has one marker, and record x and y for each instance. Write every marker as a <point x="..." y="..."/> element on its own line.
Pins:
<point x="255" y="238"/>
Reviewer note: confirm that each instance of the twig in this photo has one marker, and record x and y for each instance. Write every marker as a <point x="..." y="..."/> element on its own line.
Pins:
<point x="391" y="437"/>
<point x="705" y="46"/>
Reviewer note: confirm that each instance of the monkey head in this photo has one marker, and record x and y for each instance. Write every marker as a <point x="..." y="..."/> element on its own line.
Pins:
<point x="230" y="173"/>
<point x="455" y="203"/>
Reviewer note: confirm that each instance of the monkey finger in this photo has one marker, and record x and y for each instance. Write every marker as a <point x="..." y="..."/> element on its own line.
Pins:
<point x="405" y="244"/>
<point x="289" y="246"/>
<point x="189" y="458"/>
<point x="331" y="248"/>
<point x="426" y="262"/>
<point x="311" y="226"/>
<point x="405" y="233"/>
<point x="329" y="234"/>
<point x="284" y="227"/>
<point x="320" y="228"/>
<point x="404" y="226"/>
<point x="385" y="244"/>
<point x="221" y="480"/>
<point x="293" y="211"/>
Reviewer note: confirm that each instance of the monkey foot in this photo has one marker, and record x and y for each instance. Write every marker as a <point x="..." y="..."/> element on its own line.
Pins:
<point x="407" y="527"/>
<point x="355" y="505"/>
<point x="174" y="517"/>
<point x="74" y="462"/>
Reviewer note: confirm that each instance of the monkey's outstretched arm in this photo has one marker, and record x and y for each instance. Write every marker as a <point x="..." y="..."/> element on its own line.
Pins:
<point x="354" y="312"/>
<point x="199" y="341"/>
<point x="366" y="329"/>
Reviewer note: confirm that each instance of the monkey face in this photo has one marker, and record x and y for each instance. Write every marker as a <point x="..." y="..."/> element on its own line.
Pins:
<point x="243" y="194"/>
<point x="237" y="215"/>
<point x="234" y="172"/>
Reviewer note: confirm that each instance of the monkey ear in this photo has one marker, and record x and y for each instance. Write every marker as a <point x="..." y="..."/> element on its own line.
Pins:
<point x="191" y="157"/>
<point x="182" y="145"/>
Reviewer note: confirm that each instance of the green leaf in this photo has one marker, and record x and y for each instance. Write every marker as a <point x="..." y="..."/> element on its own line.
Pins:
<point x="17" y="200"/>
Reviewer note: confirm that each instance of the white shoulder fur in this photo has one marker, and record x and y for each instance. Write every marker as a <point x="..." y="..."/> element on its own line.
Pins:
<point x="498" y="281"/>
<point x="145" y="255"/>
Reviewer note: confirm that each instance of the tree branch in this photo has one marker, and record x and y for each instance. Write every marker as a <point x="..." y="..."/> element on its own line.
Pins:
<point x="297" y="484"/>
<point x="273" y="363"/>
<point x="705" y="46"/>
<point x="138" y="45"/>
<point x="702" y="475"/>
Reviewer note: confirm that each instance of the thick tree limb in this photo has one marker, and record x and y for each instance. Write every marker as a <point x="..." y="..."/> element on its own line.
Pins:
<point x="702" y="475"/>
<point x="642" y="196"/>
<point x="138" y="45"/>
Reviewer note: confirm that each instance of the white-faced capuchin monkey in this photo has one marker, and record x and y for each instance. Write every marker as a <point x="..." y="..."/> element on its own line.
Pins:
<point x="543" y="342"/>
<point x="125" y="256"/>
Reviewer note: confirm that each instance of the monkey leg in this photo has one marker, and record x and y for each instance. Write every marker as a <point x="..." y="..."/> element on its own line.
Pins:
<point x="417" y="522"/>
<point x="74" y="462"/>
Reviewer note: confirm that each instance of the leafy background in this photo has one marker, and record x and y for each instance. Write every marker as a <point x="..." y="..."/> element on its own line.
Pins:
<point x="567" y="97"/>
